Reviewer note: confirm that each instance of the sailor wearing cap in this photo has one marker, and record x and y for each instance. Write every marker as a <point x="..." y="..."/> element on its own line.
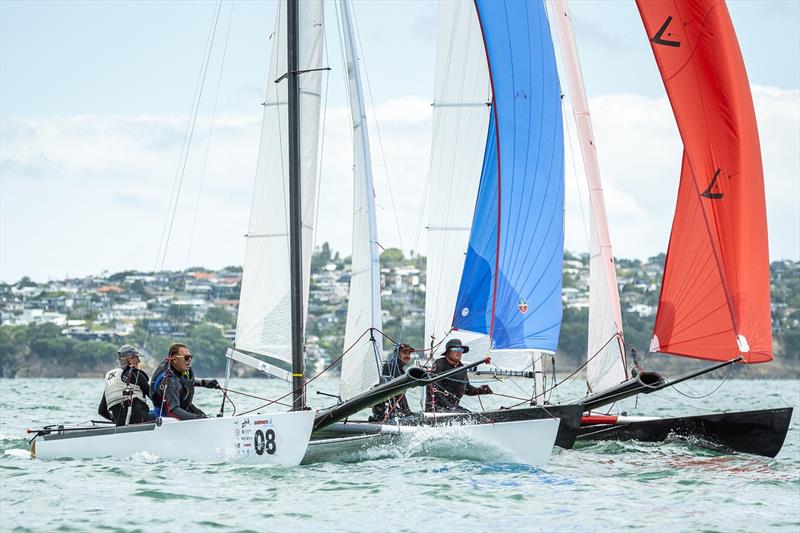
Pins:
<point x="394" y="367"/>
<point x="126" y="389"/>
<point x="446" y="394"/>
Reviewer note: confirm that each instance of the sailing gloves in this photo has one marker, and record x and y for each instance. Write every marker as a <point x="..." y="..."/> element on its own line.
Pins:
<point x="210" y="383"/>
<point x="485" y="389"/>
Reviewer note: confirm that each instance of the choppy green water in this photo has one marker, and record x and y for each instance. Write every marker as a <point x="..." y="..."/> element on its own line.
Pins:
<point x="674" y="486"/>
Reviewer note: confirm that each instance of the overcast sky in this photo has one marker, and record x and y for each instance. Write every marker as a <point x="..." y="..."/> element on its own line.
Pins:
<point x="95" y="99"/>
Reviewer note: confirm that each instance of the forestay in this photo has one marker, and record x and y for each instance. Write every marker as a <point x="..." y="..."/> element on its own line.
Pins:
<point x="714" y="300"/>
<point x="606" y="365"/>
<point x="511" y="284"/>
<point x="361" y="365"/>
<point x="263" y="325"/>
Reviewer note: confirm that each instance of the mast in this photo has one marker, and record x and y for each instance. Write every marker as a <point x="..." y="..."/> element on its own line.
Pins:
<point x="295" y="215"/>
<point x="606" y="364"/>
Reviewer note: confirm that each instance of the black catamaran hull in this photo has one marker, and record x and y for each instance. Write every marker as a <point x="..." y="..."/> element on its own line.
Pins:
<point x="759" y="432"/>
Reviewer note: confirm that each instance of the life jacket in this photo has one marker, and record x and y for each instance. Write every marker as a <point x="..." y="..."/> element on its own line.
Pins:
<point x="115" y="388"/>
<point x="186" y="393"/>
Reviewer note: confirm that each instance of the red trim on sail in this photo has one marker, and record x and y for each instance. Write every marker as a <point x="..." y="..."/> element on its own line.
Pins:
<point x="499" y="174"/>
<point x="715" y="289"/>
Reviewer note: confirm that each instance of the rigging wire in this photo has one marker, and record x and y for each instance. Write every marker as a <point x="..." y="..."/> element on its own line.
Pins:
<point x="184" y="156"/>
<point x="363" y="59"/>
<point x="210" y="136"/>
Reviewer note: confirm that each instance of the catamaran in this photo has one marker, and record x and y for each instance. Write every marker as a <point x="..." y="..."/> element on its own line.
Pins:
<point x="275" y="293"/>
<point x="529" y="438"/>
<point x="714" y="301"/>
<point x="270" y="313"/>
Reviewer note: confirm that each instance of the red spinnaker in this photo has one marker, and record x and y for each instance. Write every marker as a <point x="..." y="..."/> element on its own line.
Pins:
<point x="714" y="300"/>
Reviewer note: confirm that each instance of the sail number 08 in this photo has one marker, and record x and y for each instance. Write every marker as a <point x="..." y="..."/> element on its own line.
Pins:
<point x="264" y="441"/>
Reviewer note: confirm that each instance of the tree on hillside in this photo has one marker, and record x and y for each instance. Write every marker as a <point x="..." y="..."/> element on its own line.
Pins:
<point x="25" y="282"/>
<point x="392" y="258"/>
<point x="321" y="257"/>
<point x="120" y="276"/>
<point x="220" y="315"/>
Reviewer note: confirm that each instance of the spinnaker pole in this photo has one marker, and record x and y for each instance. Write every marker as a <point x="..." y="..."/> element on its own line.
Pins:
<point x="295" y="216"/>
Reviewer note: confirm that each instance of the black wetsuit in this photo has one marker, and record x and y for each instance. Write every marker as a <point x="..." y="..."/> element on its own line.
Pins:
<point x="446" y="394"/>
<point x="391" y="369"/>
<point x="179" y="392"/>
<point x="139" y="410"/>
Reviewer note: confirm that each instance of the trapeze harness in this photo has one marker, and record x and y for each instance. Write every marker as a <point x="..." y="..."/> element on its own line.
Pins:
<point x="116" y="389"/>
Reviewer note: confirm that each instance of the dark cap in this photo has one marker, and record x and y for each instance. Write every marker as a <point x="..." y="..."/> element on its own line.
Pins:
<point x="126" y="350"/>
<point x="403" y="347"/>
<point x="455" y="343"/>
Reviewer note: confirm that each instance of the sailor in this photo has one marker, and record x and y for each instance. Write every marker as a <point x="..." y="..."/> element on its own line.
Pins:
<point x="394" y="367"/>
<point x="446" y="394"/>
<point x="173" y="385"/>
<point x="126" y="389"/>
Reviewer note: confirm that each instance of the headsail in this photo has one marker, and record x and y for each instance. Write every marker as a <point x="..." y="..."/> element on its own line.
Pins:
<point x="511" y="285"/>
<point x="606" y="365"/>
<point x="360" y="366"/>
<point x="264" y="324"/>
<point x="714" y="300"/>
<point x="462" y="96"/>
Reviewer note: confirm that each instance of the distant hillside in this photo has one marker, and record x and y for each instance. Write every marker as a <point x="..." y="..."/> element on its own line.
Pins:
<point x="72" y="327"/>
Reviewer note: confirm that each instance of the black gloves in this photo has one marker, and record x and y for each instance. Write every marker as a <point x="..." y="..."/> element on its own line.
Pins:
<point x="484" y="389"/>
<point x="210" y="384"/>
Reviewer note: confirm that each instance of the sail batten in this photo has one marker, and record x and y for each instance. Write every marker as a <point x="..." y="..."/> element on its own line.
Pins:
<point x="718" y="243"/>
<point x="460" y="125"/>
<point x="264" y="323"/>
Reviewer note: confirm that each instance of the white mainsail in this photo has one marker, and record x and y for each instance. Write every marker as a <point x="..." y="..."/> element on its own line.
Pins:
<point x="606" y="364"/>
<point x="264" y="324"/>
<point x="361" y="365"/>
<point x="462" y="94"/>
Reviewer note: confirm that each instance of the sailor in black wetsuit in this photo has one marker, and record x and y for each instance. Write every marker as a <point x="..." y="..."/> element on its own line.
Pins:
<point x="445" y="395"/>
<point x="126" y="387"/>
<point x="394" y="367"/>
<point x="173" y="385"/>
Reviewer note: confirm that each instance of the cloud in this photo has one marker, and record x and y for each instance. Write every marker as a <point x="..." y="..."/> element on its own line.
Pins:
<point x="640" y="150"/>
<point x="104" y="184"/>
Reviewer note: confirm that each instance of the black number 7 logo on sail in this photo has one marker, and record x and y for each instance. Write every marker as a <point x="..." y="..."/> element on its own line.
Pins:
<point x="713" y="195"/>
<point x="658" y="37"/>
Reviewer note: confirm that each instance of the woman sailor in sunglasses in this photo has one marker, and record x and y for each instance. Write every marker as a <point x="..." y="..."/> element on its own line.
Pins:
<point x="446" y="394"/>
<point x="173" y="386"/>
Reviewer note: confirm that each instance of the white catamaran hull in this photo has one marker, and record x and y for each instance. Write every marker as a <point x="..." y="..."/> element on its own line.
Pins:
<point x="524" y="441"/>
<point x="280" y="438"/>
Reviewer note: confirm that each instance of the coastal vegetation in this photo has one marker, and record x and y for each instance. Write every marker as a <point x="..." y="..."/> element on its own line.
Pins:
<point x="73" y="327"/>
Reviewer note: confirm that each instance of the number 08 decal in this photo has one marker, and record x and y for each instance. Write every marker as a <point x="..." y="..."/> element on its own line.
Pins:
<point x="265" y="440"/>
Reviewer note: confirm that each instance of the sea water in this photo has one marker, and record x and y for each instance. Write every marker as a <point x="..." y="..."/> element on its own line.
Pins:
<point x="424" y="484"/>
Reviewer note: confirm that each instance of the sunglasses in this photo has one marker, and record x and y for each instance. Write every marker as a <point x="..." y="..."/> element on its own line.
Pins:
<point x="456" y="349"/>
<point x="186" y="358"/>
